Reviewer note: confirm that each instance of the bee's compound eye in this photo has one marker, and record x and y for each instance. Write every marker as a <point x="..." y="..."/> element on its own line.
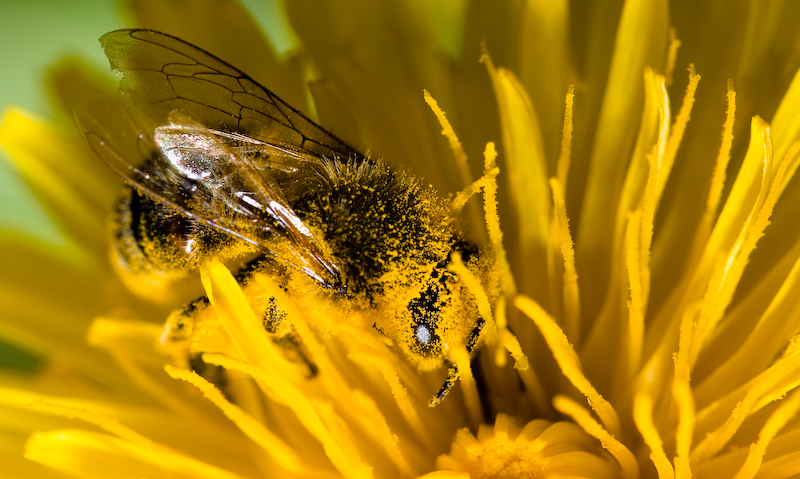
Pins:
<point x="423" y="335"/>
<point x="425" y="341"/>
<point x="424" y="311"/>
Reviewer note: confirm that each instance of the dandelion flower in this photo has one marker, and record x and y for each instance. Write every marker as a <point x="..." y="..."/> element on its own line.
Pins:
<point x="640" y="310"/>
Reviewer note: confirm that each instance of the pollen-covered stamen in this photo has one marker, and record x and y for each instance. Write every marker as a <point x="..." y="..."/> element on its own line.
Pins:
<point x="568" y="360"/>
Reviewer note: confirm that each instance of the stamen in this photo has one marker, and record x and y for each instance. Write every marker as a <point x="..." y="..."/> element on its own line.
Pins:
<point x="111" y="425"/>
<point x="717" y="179"/>
<point x="572" y="303"/>
<point x="105" y="333"/>
<point x="274" y="446"/>
<point x="672" y="55"/>
<point x="568" y="361"/>
<point x="492" y="220"/>
<point x="777" y="420"/>
<point x="459" y="155"/>
<point x="643" y="417"/>
<point x="470" y="389"/>
<point x="626" y="459"/>
<point x="565" y="156"/>
<point x="337" y="445"/>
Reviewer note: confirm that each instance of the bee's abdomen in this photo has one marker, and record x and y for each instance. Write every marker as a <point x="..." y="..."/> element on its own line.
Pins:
<point x="150" y="238"/>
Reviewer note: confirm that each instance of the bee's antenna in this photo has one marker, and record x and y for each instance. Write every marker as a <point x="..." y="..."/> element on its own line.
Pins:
<point x="475" y="335"/>
<point x="452" y="377"/>
<point x="452" y="373"/>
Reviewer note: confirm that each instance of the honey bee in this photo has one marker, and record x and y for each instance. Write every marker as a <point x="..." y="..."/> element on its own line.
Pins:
<point x="218" y="166"/>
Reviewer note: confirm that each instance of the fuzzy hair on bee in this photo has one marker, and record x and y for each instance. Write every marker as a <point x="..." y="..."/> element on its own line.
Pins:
<point x="217" y="166"/>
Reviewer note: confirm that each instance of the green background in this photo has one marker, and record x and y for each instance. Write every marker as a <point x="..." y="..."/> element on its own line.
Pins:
<point x="34" y="34"/>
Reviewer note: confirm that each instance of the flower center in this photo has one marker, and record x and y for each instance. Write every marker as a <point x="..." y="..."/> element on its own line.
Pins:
<point x="505" y="459"/>
<point x="537" y="450"/>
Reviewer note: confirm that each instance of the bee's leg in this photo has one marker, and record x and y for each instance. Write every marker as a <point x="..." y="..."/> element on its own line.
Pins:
<point x="273" y="316"/>
<point x="452" y="377"/>
<point x="452" y="373"/>
<point x="475" y="335"/>
<point x="273" y="321"/>
<point x="176" y="338"/>
<point x="295" y="351"/>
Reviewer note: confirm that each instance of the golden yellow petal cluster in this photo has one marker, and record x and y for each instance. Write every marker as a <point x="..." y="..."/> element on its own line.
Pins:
<point x="641" y="310"/>
<point x="540" y="449"/>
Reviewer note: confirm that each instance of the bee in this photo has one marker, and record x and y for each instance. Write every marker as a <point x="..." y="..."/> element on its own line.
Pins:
<point x="216" y="165"/>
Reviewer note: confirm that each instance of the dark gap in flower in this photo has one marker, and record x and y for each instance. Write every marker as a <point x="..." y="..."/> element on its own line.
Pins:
<point x="12" y="357"/>
<point x="481" y="381"/>
<point x="216" y="375"/>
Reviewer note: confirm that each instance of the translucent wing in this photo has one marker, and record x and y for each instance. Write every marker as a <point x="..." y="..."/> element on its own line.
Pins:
<point x="163" y="74"/>
<point x="185" y="151"/>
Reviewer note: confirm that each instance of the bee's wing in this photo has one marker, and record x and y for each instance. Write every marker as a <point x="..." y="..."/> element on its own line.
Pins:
<point x="209" y="183"/>
<point x="163" y="74"/>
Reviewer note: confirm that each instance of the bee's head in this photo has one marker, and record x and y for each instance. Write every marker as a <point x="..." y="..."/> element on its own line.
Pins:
<point x="441" y="315"/>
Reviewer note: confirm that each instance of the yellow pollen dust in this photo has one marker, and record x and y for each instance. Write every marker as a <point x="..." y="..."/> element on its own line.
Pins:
<point x="500" y="458"/>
